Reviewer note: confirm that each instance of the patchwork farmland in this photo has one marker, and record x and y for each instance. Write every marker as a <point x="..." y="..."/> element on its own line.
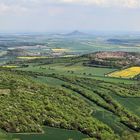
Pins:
<point x="62" y="89"/>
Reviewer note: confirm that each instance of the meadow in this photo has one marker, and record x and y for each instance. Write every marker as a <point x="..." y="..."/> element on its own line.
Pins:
<point x="76" y="69"/>
<point x="60" y="134"/>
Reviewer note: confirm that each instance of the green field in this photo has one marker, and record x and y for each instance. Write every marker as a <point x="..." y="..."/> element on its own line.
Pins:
<point x="77" y="70"/>
<point x="74" y="101"/>
<point x="130" y="103"/>
<point x="50" y="133"/>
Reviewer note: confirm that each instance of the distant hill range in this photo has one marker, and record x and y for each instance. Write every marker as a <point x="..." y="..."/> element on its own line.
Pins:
<point x="134" y="42"/>
<point x="76" y="33"/>
<point x="21" y="52"/>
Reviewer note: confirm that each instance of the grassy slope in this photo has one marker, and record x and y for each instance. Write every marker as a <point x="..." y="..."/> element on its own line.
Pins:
<point x="109" y="118"/>
<point x="77" y="69"/>
<point x="29" y="105"/>
<point x="52" y="134"/>
<point x="100" y="113"/>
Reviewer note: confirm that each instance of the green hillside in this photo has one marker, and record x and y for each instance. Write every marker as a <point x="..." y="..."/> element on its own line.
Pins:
<point x="64" y="96"/>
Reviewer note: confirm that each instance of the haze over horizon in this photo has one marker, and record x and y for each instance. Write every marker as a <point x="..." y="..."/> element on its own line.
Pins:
<point x="68" y="15"/>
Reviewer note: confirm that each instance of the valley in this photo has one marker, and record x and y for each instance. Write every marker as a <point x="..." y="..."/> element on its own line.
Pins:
<point x="51" y="88"/>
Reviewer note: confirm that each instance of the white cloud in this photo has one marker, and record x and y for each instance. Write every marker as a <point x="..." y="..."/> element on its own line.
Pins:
<point x="24" y="5"/>
<point x="131" y="3"/>
<point x="94" y="2"/>
<point x="106" y="3"/>
<point x="11" y="8"/>
<point x="3" y="7"/>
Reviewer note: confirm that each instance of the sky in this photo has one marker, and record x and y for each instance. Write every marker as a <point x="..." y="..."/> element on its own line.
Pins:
<point x="68" y="15"/>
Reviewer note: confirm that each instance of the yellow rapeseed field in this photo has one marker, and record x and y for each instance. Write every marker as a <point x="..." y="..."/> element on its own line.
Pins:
<point x="31" y="57"/>
<point x="9" y="66"/>
<point x="126" y="73"/>
<point x="60" y="50"/>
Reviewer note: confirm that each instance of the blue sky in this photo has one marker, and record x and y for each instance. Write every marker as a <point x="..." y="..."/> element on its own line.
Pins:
<point x="66" y="15"/>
